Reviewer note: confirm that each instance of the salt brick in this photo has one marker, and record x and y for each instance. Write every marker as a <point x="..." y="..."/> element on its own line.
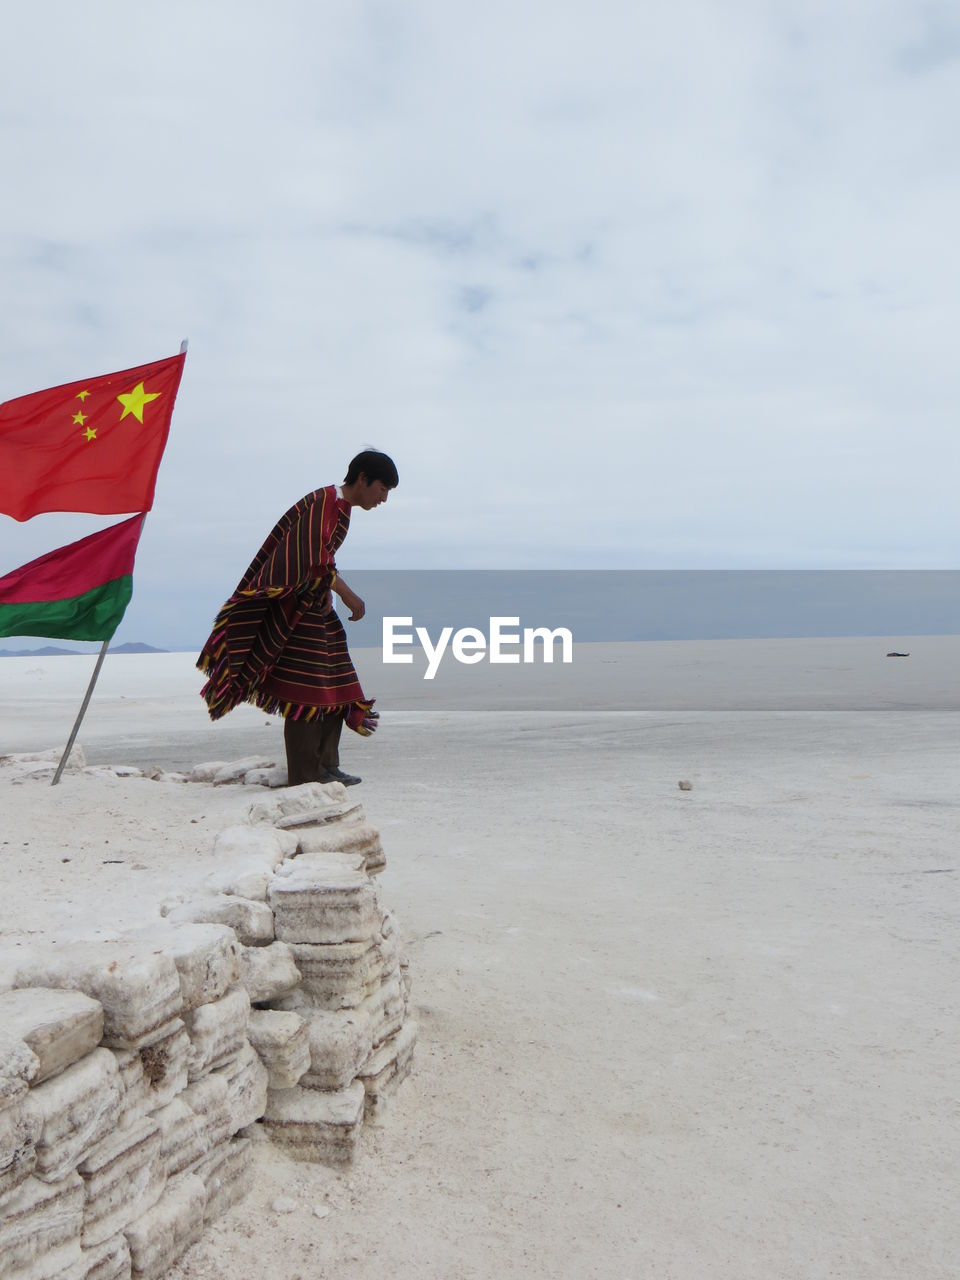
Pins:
<point x="163" y="1233"/>
<point x="227" y="1176"/>
<point x="207" y="957"/>
<point x="246" y="858"/>
<point x="123" y="1176"/>
<point x="11" y="1090"/>
<point x="180" y="1142"/>
<point x="138" y="988"/>
<point x="324" y="908"/>
<point x="339" y="975"/>
<point x="108" y="1261"/>
<point x="339" y="1045"/>
<point x="20" y="1126"/>
<point x="320" y="1127"/>
<point x="205" y="772"/>
<point x="19" y="1065"/>
<point x="247" y="1083"/>
<point x="208" y="1099"/>
<point x="282" y="1043"/>
<point x="275" y="777"/>
<point x="217" y="1031"/>
<point x="322" y="863"/>
<point x="305" y="818"/>
<point x="17" y="1060"/>
<point x="234" y="770"/>
<point x="60" y="1027"/>
<point x="387" y="1067"/>
<point x="360" y="838"/>
<point x="40" y="1229"/>
<point x="327" y="816"/>
<point x="386" y="1008"/>
<point x="298" y="800"/>
<point x="134" y="1105"/>
<point x="252" y="922"/>
<point x="79" y="1107"/>
<point x="268" y="972"/>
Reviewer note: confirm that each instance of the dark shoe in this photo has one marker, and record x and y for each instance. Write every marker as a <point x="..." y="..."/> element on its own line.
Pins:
<point x="337" y="775"/>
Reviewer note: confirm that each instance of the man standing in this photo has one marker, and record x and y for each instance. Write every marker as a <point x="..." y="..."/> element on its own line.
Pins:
<point x="278" y="643"/>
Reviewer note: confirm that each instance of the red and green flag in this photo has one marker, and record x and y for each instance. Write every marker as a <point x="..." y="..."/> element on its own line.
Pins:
<point x="90" y="446"/>
<point x="78" y="592"/>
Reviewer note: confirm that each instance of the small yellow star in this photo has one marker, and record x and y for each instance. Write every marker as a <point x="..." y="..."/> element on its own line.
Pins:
<point x="82" y="395"/>
<point x="80" y="418"/>
<point x="133" y="401"/>
<point x="91" y="433"/>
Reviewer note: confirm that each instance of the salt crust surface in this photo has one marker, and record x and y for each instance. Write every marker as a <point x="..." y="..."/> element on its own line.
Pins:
<point x="755" y="999"/>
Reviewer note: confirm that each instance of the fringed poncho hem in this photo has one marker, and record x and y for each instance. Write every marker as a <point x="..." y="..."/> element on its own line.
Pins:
<point x="222" y="693"/>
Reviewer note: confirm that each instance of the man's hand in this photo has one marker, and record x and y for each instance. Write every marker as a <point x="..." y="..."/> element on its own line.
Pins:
<point x="350" y="599"/>
<point x="355" y="605"/>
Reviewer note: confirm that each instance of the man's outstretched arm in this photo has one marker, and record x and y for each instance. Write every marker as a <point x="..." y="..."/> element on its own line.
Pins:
<point x="350" y="599"/>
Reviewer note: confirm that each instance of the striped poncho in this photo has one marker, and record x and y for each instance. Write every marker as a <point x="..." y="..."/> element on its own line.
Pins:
<point x="277" y="642"/>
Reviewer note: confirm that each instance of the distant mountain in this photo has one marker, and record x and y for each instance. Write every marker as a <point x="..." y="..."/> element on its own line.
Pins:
<point x="51" y="651"/>
<point x="135" y="646"/>
<point x="48" y="651"/>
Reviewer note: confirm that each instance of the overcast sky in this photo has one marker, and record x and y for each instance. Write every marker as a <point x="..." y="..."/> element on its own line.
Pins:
<point x="655" y="285"/>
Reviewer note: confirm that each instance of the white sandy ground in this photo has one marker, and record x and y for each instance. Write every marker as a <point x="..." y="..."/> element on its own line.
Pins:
<point x="664" y="1034"/>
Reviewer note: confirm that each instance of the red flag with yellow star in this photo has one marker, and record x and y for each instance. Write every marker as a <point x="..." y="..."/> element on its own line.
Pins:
<point x="91" y="446"/>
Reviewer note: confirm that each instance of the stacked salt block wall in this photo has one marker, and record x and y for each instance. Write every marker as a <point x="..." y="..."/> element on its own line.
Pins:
<point x="134" y="1073"/>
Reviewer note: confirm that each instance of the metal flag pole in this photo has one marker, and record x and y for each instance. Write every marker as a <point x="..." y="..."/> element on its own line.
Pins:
<point x="83" y="709"/>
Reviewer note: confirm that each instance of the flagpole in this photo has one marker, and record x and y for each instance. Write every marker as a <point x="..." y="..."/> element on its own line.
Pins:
<point x="83" y="709"/>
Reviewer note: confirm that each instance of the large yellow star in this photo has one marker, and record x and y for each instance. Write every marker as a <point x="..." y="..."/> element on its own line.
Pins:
<point x="133" y="401"/>
<point x="91" y="433"/>
<point x="80" y="418"/>
<point x="82" y="395"/>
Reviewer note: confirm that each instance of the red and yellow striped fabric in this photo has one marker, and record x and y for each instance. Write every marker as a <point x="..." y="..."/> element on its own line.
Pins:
<point x="277" y="642"/>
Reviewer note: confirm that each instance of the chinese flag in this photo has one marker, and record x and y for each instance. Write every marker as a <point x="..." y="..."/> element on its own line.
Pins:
<point x="91" y="446"/>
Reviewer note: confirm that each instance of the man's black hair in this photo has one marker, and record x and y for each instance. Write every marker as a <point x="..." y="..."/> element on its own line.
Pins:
<point x="375" y="466"/>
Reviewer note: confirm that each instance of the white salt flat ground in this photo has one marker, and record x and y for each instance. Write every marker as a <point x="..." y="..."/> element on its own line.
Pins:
<point x="663" y="1034"/>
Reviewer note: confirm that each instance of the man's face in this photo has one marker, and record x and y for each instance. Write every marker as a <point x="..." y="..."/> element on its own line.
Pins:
<point x="370" y="493"/>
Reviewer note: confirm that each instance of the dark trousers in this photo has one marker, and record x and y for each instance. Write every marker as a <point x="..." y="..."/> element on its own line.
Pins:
<point x="312" y="747"/>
